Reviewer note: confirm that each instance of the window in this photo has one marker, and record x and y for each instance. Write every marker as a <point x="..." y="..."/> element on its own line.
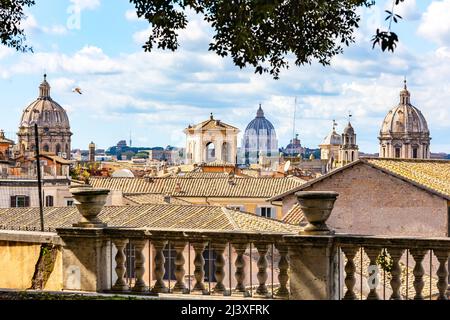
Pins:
<point x="20" y="201"/>
<point x="414" y="153"/>
<point x="265" y="212"/>
<point x="397" y="152"/>
<point x="49" y="201"/>
<point x="69" y="203"/>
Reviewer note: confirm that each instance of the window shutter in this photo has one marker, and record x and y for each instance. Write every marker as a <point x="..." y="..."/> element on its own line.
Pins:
<point x="13" y="201"/>
<point x="27" y="201"/>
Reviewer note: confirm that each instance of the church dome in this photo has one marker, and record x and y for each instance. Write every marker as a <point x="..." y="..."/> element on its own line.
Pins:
<point x="260" y="123"/>
<point x="332" y="139"/>
<point x="404" y="118"/>
<point x="44" y="111"/>
<point x="260" y="139"/>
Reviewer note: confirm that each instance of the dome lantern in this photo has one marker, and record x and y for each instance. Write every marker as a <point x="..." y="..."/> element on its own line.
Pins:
<point x="44" y="89"/>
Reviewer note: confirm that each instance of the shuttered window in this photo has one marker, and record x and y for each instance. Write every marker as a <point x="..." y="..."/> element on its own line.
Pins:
<point x="20" y="201"/>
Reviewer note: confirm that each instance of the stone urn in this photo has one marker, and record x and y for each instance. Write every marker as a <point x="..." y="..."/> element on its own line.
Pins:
<point x="317" y="207"/>
<point x="89" y="202"/>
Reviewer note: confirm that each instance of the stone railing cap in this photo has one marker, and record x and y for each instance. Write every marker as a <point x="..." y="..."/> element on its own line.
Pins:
<point x="317" y="194"/>
<point x="89" y="191"/>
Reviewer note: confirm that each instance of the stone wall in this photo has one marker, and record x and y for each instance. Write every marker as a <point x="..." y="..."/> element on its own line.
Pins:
<point x="373" y="202"/>
<point x="18" y="261"/>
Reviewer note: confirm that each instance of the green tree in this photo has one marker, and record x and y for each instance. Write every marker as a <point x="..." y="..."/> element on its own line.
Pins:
<point x="257" y="33"/>
<point x="11" y="15"/>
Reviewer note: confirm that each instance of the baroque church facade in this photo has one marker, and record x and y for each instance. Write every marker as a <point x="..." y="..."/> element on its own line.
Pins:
<point x="211" y="141"/>
<point x="53" y="126"/>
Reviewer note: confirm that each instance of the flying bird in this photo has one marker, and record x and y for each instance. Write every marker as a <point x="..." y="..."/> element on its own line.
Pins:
<point x="77" y="90"/>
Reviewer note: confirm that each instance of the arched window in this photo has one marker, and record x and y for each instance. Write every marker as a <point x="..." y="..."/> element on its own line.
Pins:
<point x="398" y="152"/>
<point x="46" y="148"/>
<point x="353" y="156"/>
<point x="210" y="152"/>
<point x="58" y="149"/>
<point x="414" y="153"/>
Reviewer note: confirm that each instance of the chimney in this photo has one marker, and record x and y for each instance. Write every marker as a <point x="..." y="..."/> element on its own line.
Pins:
<point x="178" y="187"/>
<point x="167" y="198"/>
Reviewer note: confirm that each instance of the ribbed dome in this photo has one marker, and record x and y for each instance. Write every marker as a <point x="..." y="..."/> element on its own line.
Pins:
<point x="260" y="123"/>
<point x="404" y="118"/>
<point x="44" y="111"/>
<point x="332" y="139"/>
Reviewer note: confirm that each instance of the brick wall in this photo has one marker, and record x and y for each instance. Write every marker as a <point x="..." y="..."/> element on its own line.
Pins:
<point x="373" y="202"/>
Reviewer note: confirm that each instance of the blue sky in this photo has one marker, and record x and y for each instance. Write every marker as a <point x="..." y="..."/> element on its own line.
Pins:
<point x="156" y="95"/>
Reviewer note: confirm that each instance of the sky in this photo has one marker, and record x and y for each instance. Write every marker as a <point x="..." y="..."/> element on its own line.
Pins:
<point x="156" y="95"/>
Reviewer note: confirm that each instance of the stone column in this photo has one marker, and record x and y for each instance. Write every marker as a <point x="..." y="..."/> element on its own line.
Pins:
<point x="139" y="265"/>
<point x="121" y="284"/>
<point x="199" y="263"/>
<point x="262" y="268"/>
<point x="373" y="279"/>
<point x="283" y="266"/>
<point x="180" y="285"/>
<point x="396" y="273"/>
<point x="240" y="266"/>
<point x="314" y="269"/>
<point x="160" y="286"/>
<point x="219" y="249"/>
<point x="418" y="271"/>
<point x="350" y="269"/>
<point x="442" y="273"/>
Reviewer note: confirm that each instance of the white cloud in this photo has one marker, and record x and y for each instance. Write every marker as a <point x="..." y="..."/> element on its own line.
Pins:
<point x="435" y="23"/>
<point x="86" y="4"/>
<point x="131" y="15"/>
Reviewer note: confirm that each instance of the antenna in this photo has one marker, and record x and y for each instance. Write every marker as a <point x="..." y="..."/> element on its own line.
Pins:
<point x="293" y="127"/>
<point x="131" y="142"/>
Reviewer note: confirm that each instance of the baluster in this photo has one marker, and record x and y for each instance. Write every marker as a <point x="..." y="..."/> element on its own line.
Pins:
<point x="139" y="265"/>
<point x="199" y="263"/>
<point x="180" y="285"/>
<point x="350" y="269"/>
<point x="442" y="273"/>
<point x="219" y="249"/>
<point x="120" y="284"/>
<point x="418" y="271"/>
<point x="262" y="268"/>
<point x="396" y="272"/>
<point x="160" y="286"/>
<point x="373" y="278"/>
<point x="283" y="266"/>
<point x="240" y="266"/>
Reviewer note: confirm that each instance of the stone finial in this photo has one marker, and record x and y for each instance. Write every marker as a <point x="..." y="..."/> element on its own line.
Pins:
<point x="317" y="207"/>
<point x="90" y="202"/>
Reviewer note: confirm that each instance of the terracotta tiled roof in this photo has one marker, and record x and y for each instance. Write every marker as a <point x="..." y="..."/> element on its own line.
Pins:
<point x="218" y="163"/>
<point x="204" y="175"/>
<point x="200" y="187"/>
<point x="149" y="198"/>
<point x="147" y="216"/>
<point x="295" y="216"/>
<point x="430" y="175"/>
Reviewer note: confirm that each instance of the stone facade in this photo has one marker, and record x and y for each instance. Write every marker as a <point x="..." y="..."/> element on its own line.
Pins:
<point x="375" y="203"/>
<point x="211" y="140"/>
